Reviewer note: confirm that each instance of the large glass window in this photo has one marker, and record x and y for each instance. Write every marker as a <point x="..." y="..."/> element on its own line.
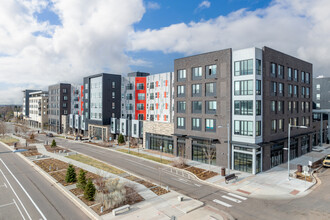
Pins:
<point x="243" y="67"/>
<point x="140" y="106"/>
<point x="203" y="151"/>
<point x="243" y="107"/>
<point x="196" y="124"/>
<point x="182" y="75"/>
<point x="210" y="125"/>
<point x="244" y="87"/>
<point x="258" y="67"/>
<point x="243" y="128"/>
<point x="152" y="96"/>
<point x="196" y="107"/>
<point x="258" y="128"/>
<point x="210" y="89"/>
<point x="196" y="90"/>
<point x="277" y="155"/>
<point x="273" y="106"/>
<point x="181" y="107"/>
<point x="258" y="107"/>
<point x="141" y="96"/>
<point x="196" y="73"/>
<point x="211" y="71"/>
<point x="243" y="162"/>
<point x="161" y="143"/>
<point x="152" y="85"/>
<point x="181" y="123"/>
<point x="258" y="87"/>
<point x="181" y="91"/>
<point x="211" y="107"/>
<point x="139" y="86"/>
<point x="129" y="86"/>
<point x="96" y="98"/>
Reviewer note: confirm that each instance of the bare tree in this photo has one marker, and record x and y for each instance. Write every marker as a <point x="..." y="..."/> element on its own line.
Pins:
<point x="134" y="142"/>
<point x="3" y="128"/>
<point x="209" y="153"/>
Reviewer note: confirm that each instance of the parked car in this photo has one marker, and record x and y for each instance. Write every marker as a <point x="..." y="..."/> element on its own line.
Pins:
<point x="49" y="135"/>
<point x="326" y="161"/>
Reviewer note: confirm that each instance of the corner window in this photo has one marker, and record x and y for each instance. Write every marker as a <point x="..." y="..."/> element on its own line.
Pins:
<point x="258" y="67"/>
<point x="244" y="87"/>
<point x="258" y="87"/>
<point x="243" y="67"/>
<point x="258" y="128"/>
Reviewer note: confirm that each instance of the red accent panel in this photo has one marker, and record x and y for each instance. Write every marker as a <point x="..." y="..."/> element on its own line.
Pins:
<point x="156" y="83"/>
<point x="158" y="95"/>
<point x="164" y="94"/>
<point x="156" y="105"/>
<point x="165" y="116"/>
<point x="165" y="82"/>
<point x="157" y="117"/>
<point x="144" y="102"/>
<point x="165" y="105"/>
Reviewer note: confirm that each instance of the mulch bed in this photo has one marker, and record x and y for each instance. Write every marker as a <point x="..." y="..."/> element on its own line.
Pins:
<point x="301" y="176"/>
<point x="51" y="163"/>
<point x="77" y="191"/>
<point x="159" y="191"/>
<point x="87" y="202"/>
<point x="56" y="149"/>
<point x="156" y="189"/>
<point x="30" y="153"/>
<point x="201" y="173"/>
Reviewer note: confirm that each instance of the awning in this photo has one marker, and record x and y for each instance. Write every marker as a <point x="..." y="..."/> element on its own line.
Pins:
<point x="204" y="138"/>
<point x="179" y="135"/>
<point x="247" y="145"/>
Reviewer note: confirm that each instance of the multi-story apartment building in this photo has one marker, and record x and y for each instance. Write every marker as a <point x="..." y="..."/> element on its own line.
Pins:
<point x="59" y="105"/>
<point x="257" y="92"/>
<point x="38" y="109"/>
<point x="25" y="106"/>
<point x="321" y="92"/>
<point x="101" y="103"/>
<point x="75" y="118"/>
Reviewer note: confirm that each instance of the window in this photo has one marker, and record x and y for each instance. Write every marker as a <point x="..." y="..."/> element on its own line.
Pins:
<point x="211" y="71"/>
<point x="244" y="87"/>
<point x="65" y="112"/>
<point x="86" y="86"/>
<point x="295" y="91"/>
<point x="196" y="90"/>
<point x="290" y="90"/>
<point x="258" y="128"/>
<point x="140" y="106"/>
<point x="129" y="96"/>
<point x="181" y="123"/>
<point x="318" y="96"/>
<point x="196" y="124"/>
<point x="290" y="106"/>
<point x="258" y="67"/>
<point x="113" y="95"/>
<point x="289" y="73"/>
<point x="280" y="106"/>
<point x="129" y="86"/>
<point x="244" y="67"/>
<point x="211" y="107"/>
<point x="64" y="91"/>
<point x="181" y="91"/>
<point x="274" y="127"/>
<point x="307" y="121"/>
<point x="273" y="88"/>
<point x="273" y="106"/>
<point x="135" y="129"/>
<point x="302" y="76"/>
<point x="280" y="125"/>
<point x="280" y="89"/>
<point x="318" y="86"/>
<point x="258" y="87"/>
<point x="141" y="96"/>
<point x="113" y="105"/>
<point x="210" y="89"/>
<point x="152" y="107"/>
<point x="258" y="107"/>
<point x="273" y="69"/>
<point x="196" y="73"/>
<point x="210" y="125"/>
<point x="294" y="106"/>
<point x="113" y="85"/>
<point x="302" y="92"/>
<point x="243" y="107"/>
<point x="64" y="105"/>
<point x="182" y="75"/>
<point x="307" y="92"/>
<point x="307" y="78"/>
<point x="139" y="86"/>
<point x="307" y="106"/>
<point x="295" y="78"/>
<point x="65" y="98"/>
<point x="243" y="128"/>
<point x="280" y="71"/>
<point x="196" y="107"/>
<point x="181" y="107"/>
<point x="318" y="105"/>
<point x="302" y="106"/>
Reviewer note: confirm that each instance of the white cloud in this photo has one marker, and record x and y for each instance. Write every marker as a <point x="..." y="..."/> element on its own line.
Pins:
<point x="153" y="5"/>
<point x="92" y="37"/>
<point x="297" y="27"/>
<point x="204" y="4"/>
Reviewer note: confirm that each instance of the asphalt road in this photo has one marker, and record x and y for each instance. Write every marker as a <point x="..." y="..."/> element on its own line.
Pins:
<point x="239" y="207"/>
<point x="26" y="194"/>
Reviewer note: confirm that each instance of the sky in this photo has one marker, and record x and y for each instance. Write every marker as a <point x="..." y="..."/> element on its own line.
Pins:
<point x="44" y="42"/>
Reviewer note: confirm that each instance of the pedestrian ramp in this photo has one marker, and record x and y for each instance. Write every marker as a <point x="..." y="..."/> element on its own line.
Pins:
<point x="229" y="200"/>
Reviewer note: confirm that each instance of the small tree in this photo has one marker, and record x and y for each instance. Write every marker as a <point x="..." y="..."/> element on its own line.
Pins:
<point x="82" y="179"/>
<point x="121" y="139"/>
<point x="3" y="128"/>
<point x="90" y="190"/>
<point x="53" y="143"/>
<point x="210" y="154"/>
<point x="70" y="174"/>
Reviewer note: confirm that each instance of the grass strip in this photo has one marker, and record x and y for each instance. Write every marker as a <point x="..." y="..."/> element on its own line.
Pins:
<point x="95" y="163"/>
<point x="8" y="140"/>
<point x="146" y="156"/>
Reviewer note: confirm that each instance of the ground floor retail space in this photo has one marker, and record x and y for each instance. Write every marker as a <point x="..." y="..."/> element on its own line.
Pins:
<point x="99" y="132"/>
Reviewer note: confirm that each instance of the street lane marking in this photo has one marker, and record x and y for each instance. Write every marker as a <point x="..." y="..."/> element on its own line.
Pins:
<point x="237" y="196"/>
<point x="35" y="205"/>
<point x="4" y="185"/>
<point x="222" y="203"/>
<point x="197" y="185"/>
<point x="140" y="164"/>
<point x="4" y="205"/>
<point x="19" y="209"/>
<point x="182" y="181"/>
<point x="15" y="193"/>
<point x="232" y="199"/>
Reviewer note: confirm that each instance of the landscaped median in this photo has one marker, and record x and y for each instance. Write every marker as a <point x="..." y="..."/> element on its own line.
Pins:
<point x="8" y="140"/>
<point x="146" y="156"/>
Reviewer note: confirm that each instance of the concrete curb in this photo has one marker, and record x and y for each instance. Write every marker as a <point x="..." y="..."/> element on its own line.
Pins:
<point x="72" y="198"/>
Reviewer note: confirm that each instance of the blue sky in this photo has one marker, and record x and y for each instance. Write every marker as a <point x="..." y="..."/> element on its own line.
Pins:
<point x="45" y="42"/>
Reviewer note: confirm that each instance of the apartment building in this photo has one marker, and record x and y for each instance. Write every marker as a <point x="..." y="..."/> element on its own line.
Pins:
<point x="321" y="92"/>
<point x="75" y="119"/>
<point x="38" y="109"/>
<point x="25" y="106"/>
<point x="59" y="105"/>
<point x="102" y="102"/>
<point x="202" y="97"/>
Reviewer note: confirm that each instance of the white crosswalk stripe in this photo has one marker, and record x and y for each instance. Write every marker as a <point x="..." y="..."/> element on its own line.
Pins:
<point x="237" y="196"/>
<point x="232" y="199"/>
<point x="222" y="203"/>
